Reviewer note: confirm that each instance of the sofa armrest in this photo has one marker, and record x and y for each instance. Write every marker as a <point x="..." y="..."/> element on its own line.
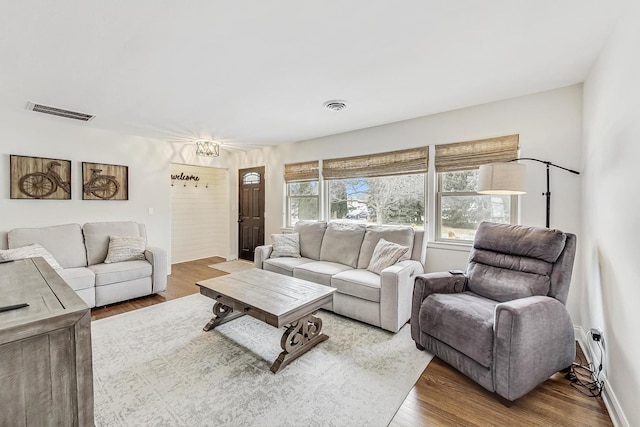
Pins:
<point x="533" y="340"/>
<point x="432" y="283"/>
<point x="260" y="254"/>
<point x="396" y="284"/>
<point x="158" y="259"/>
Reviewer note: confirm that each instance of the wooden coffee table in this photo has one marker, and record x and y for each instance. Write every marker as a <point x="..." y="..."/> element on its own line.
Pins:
<point x="275" y="299"/>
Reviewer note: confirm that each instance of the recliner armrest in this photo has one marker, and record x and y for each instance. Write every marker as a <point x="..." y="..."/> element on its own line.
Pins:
<point x="158" y="259"/>
<point x="260" y="254"/>
<point x="534" y="338"/>
<point x="432" y="283"/>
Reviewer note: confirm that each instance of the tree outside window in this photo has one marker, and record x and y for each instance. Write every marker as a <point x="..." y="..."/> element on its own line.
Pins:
<point x="461" y="209"/>
<point x="303" y="201"/>
<point x="381" y="200"/>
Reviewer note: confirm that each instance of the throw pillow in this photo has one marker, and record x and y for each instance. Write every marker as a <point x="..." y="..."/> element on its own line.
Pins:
<point x="385" y="255"/>
<point x="125" y="249"/>
<point x="285" y="245"/>
<point x="30" y="251"/>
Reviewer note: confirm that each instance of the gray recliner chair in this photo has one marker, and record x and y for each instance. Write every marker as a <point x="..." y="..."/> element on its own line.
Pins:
<point x="504" y="322"/>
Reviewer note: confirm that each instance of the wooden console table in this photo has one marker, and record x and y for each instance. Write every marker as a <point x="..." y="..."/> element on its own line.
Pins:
<point x="46" y="375"/>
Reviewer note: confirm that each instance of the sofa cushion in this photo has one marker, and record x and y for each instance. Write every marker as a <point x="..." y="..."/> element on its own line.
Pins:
<point x="78" y="278"/>
<point x="358" y="283"/>
<point x="341" y="243"/>
<point x="96" y="237"/>
<point x="311" y="234"/>
<point x="64" y="242"/>
<point x="30" y="251"/>
<point x="463" y="321"/>
<point x="319" y="271"/>
<point x="285" y="245"/>
<point x="284" y="265"/>
<point x="385" y="255"/>
<point x="120" y="271"/>
<point x="401" y="235"/>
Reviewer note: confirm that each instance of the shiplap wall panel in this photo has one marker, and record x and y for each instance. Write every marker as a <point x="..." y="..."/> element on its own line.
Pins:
<point x="199" y="215"/>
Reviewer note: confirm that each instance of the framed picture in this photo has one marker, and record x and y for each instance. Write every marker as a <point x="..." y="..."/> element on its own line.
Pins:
<point x="104" y="182"/>
<point x="40" y="178"/>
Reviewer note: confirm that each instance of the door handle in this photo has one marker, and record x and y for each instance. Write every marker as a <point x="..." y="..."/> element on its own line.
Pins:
<point x="239" y="219"/>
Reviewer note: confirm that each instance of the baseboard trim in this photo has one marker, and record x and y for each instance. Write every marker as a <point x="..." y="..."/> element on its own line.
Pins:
<point x="608" y="395"/>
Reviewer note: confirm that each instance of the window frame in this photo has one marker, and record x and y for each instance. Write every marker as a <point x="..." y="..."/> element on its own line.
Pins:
<point x="513" y="209"/>
<point x="289" y="198"/>
<point x="420" y="226"/>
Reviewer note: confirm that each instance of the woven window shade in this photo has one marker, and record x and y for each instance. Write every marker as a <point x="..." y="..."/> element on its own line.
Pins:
<point x="402" y="162"/>
<point x="305" y="171"/>
<point x="471" y="154"/>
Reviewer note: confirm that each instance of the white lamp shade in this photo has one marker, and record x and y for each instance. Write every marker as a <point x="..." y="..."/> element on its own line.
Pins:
<point x="502" y="178"/>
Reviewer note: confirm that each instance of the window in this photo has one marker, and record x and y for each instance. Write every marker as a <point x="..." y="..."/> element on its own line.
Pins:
<point x="461" y="209"/>
<point x="251" y="178"/>
<point x="381" y="200"/>
<point x="384" y="188"/>
<point x="303" y="201"/>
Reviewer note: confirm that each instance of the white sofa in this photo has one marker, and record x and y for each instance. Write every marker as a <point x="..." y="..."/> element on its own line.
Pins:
<point x="81" y="251"/>
<point x="337" y="254"/>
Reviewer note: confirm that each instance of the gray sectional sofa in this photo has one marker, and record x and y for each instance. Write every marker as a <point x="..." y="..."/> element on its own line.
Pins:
<point x="337" y="254"/>
<point x="81" y="252"/>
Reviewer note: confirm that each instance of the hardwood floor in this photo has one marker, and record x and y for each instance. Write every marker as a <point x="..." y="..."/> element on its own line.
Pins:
<point x="442" y="396"/>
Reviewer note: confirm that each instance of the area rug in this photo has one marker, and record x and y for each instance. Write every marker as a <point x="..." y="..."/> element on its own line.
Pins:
<point x="156" y="367"/>
<point x="232" y="266"/>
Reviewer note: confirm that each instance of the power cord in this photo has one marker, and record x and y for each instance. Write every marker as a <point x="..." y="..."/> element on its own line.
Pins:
<point x="585" y="378"/>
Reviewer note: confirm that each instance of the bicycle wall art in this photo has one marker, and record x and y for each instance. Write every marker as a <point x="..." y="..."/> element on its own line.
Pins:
<point x="40" y="178"/>
<point x="104" y="182"/>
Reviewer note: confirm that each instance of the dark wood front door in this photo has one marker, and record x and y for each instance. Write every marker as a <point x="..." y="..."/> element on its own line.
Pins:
<point x="250" y="211"/>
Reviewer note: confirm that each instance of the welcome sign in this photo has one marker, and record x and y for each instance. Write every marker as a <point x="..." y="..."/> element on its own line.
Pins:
<point x="183" y="177"/>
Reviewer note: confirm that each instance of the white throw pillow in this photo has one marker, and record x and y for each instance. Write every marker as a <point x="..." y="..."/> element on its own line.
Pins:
<point x="30" y="251"/>
<point x="385" y="255"/>
<point x="285" y="245"/>
<point x="125" y="249"/>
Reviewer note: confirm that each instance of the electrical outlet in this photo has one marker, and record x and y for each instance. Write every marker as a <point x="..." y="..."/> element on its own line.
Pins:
<point x="596" y="334"/>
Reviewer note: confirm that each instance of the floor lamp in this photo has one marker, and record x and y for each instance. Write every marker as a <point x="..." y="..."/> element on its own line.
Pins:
<point x="509" y="178"/>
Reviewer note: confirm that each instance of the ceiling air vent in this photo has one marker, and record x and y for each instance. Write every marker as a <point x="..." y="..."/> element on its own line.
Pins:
<point x="335" y="105"/>
<point x="59" y="112"/>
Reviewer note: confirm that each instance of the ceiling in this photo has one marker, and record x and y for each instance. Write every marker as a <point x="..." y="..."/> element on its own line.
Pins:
<point x="253" y="73"/>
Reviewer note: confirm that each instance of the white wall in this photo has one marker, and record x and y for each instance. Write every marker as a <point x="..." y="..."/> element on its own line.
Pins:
<point x="611" y="206"/>
<point x="33" y="134"/>
<point x="199" y="213"/>
<point x="180" y="153"/>
<point x="550" y="128"/>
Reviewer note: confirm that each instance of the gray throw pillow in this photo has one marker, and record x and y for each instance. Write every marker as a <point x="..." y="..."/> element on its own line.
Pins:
<point x="125" y="249"/>
<point x="285" y="245"/>
<point x="385" y="255"/>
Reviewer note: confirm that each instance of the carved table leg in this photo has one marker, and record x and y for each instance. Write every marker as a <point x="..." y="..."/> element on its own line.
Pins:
<point x="221" y="315"/>
<point x="299" y="338"/>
